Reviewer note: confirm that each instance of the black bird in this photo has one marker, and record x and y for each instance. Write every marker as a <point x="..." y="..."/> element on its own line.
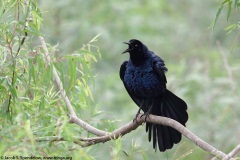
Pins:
<point x="143" y="76"/>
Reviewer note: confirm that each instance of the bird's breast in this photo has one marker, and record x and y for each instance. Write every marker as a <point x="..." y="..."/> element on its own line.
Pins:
<point x="143" y="81"/>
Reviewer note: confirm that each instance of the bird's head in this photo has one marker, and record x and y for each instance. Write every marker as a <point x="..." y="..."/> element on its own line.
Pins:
<point x="138" y="51"/>
<point x="135" y="47"/>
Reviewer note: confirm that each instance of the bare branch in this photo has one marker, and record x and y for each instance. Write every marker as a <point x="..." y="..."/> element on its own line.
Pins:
<point x="232" y="154"/>
<point x="57" y="138"/>
<point x="234" y="151"/>
<point x="163" y="121"/>
<point x="84" y="142"/>
<point x="87" y="127"/>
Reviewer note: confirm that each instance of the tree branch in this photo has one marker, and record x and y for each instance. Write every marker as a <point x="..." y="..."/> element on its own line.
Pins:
<point x="163" y="121"/>
<point x="87" y="127"/>
<point x="85" y="142"/>
<point x="234" y="151"/>
<point x="57" y="138"/>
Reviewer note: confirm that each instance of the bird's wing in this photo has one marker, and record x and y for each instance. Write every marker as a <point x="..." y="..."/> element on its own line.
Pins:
<point x="134" y="97"/>
<point x="123" y="69"/>
<point x="159" y="68"/>
<point x="167" y="105"/>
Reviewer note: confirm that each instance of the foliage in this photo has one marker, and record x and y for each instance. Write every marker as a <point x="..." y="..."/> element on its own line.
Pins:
<point x="31" y="106"/>
<point x="231" y="6"/>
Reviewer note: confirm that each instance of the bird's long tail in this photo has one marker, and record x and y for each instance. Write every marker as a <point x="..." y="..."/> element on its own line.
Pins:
<point x="171" y="106"/>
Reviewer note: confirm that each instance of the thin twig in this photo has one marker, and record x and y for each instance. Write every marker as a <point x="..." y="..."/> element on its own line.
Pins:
<point x="14" y="56"/>
<point x="57" y="138"/>
<point x="234" y="152"/>
<point x="22" y="42"/>
<point x="87" y="127"/>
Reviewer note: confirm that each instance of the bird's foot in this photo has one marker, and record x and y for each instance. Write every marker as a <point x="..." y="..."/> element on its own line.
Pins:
<point x="146" y="114"/>
<point x="135" y="119"/>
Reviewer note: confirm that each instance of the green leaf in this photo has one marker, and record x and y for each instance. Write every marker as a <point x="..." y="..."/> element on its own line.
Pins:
<point x="236" y="3"/>
<point x="87" y="70"/>
<point x="72" y="56"/>
<point x="31" y="72"/>
<point x="42" y="103"/>
<point x="12" y="90"/>
<point x="234" y="42"/>
<point x="73" y="73"/>
<point x="229" y="9"/>
<point x="37" y="19"/>
<point x="144" y="156"/>
<point x="216" y="17"/>
<point x="60" y="67"/>
<point x="224" y="2"/>
<point x="2" y="9"/>
<point x="125" y="153"/>
<point x="94" y="38"/>
<point x="230" y="28"/>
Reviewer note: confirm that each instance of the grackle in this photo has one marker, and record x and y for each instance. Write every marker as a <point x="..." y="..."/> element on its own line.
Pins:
<point x="143" y="76"/>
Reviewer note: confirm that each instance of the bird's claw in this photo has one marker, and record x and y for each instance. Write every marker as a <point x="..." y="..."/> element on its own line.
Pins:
<point x="135" y="119"/>
<point x="146" y="116"/>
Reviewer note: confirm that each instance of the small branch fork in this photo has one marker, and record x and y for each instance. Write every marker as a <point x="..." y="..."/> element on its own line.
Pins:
<point x="103" y="136"/>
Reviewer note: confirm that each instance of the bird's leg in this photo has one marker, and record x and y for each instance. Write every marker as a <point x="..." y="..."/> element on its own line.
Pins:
<point x="138" y="112"/>
<point x="148" y="112"/>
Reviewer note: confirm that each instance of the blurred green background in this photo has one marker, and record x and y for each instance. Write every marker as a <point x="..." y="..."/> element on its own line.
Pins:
<point x="203" y="67"/>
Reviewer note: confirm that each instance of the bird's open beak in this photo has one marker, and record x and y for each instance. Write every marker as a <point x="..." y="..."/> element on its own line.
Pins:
<point x="129" y="47"/>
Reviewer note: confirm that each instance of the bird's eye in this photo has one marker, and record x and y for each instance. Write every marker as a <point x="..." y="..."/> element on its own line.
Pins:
<point x="136" y="45"/>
